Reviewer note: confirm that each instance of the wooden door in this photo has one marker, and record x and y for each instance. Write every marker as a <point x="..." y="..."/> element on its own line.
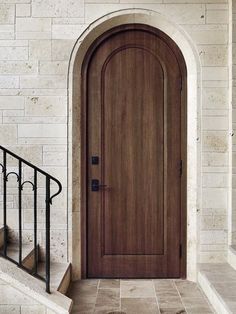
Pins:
<point x="133" y="99"/>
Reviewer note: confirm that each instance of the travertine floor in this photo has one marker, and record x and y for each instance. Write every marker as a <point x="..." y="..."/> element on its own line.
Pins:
<point x="109" y="296"/>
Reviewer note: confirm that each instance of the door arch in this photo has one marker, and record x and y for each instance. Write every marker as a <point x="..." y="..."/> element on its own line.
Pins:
<point x="76" y="137"/>
<point x="155" y="249"/>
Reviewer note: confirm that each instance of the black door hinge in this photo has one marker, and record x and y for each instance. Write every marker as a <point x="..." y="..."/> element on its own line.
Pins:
<point x="181" y="168"/>
<point x="180" y="250"/>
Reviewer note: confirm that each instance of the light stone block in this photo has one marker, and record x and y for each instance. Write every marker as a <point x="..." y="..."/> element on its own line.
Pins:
<point x="215" y="98"/>
<point x="60" y="8"/>
<point x="215" y="141"/>
<point x="215" y="73"/>
<point x="13" y="102"/>
<point x="19" y="67"/>
<point x="217" y="6"/>
<point x="217" y="17"/>
<point x="215" y="159"/>
<point x="213" y="222"/>
<point x="212" y="257"/>
<point x="68" y="20"/>
<point x="67" y="31"/>
<point x="217" y="180"/>
<point x="55" y="158"/>
<point x="8" y="134"/>
<point x="46" y="106"/>
<point x="214" y="197"/>
<point x="32" y="153"/>
<point x="207" y="34"/>
<point x="42" y="130"/>
<point x="213" y="55"/>
<point x="33" y="35"/>
<point x="14" y="43"/>
<point x="216" y="84"/>
<point x="10" y="309"/>
<point x="40" y="49"/>
<point x="37" y="92"/>
<point x="15" y="1"/>
<point x="7" y="32"/>
<point x="9" y="81"/>
<point x="43" y="81"/>
<point x="7" y="14"/>
<point x="213" y="237"/>
<point x="13" y="113"/>
<point x="215" y="113"/>
<point x="23" y="10"/>
<point x="33" y="25"/>
<point x="58" y="172"/>
<point x="215" y="123"/>
<point x="55" y="148"/>
<point x="61" y="49"/>
<point x="53" y="67"/>
<point x="18" y="119"/>
<point x="14" y="53"/>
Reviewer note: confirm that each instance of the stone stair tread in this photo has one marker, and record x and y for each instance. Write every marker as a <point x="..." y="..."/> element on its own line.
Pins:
<point x="220" y="281"/>
<point x="13" y="250"/>
<point x="34" y="287"/>
<point x="57" y="272"/>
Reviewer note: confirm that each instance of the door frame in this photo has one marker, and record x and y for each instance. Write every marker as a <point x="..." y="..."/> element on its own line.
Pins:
<point x="83" y="130"/>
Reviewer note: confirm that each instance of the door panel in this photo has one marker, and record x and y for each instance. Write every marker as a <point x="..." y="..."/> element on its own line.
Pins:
<point x="134" y="127"/>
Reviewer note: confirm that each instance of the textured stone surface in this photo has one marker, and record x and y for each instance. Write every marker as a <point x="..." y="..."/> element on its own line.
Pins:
<point x="37" y="40"/>
<point x="138" y="296"/>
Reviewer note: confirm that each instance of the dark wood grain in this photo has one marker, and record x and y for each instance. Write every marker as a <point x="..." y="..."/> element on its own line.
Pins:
<point x="135" y="91"/>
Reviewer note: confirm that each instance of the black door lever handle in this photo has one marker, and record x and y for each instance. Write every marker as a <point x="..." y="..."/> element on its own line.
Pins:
<point x="96" y="186"/>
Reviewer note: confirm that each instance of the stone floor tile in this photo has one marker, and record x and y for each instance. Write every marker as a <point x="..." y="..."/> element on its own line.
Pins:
<point x="137" y="289"/>
<point x="163" y="283"/>
<point x="167" y="293"/>
<point x="170" y="302"/>
<point x="188" y="289"/>
<point x="199" y="310"/>
<point x="87" y="308"/>
<point x="109" y="283"/>
<point x="189" y="301"/>
<point x="107" y="310"/>
<point x="173" y="311"/>
<point x="107" y="300"/>
<point x="139" y="306"/>
<point x="83" y="292"/>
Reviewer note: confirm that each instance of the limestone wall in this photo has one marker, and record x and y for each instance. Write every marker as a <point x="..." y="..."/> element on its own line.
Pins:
<point x="36" y="40"/>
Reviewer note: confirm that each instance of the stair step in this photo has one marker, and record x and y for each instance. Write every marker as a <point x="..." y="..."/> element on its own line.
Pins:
<point x="218" y="281"/>
<point x="60" y="275"/>
<point x="34" y="288"/>
<point x="27" y="254"/>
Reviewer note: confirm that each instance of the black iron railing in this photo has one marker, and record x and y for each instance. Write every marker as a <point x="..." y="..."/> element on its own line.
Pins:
<point x="48" y="201"/>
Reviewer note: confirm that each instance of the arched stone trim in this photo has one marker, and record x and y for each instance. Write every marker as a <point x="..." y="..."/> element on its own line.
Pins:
<point x="75" y="138"/>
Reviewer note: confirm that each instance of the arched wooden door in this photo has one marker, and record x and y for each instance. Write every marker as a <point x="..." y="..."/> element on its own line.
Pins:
<point x="134" y="93"/>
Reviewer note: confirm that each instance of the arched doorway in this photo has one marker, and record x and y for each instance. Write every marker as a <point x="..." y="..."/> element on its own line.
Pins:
<point x="134" y="85"/>
<point x="76" y="137"/>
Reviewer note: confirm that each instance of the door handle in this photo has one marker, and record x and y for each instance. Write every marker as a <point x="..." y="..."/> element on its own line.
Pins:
<point x="96" y="186"/>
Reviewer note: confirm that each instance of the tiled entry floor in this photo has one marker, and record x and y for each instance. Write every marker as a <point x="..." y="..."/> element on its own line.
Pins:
<point x="107" y="296"/>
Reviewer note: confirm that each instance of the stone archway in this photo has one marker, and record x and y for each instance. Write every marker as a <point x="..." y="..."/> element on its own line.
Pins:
<point x="75" y="138"/>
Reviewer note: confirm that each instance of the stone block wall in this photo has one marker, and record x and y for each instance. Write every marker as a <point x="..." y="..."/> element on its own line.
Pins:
<point x="36" y="41"/>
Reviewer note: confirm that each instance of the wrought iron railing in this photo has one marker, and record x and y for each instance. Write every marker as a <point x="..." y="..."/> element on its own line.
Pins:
<point x="48" y="201"/>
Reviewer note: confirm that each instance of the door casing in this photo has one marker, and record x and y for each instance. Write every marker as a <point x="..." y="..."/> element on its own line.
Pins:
<point x="83" y="126"/>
